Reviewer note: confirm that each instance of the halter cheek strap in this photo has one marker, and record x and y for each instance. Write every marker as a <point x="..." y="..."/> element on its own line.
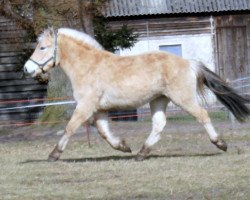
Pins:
<point x="41" y="65"/>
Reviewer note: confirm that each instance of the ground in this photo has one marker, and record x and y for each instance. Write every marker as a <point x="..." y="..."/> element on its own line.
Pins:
<point x="183" y="165"/>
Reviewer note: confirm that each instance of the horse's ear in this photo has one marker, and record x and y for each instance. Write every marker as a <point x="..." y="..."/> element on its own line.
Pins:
<point x="51" y="31"/>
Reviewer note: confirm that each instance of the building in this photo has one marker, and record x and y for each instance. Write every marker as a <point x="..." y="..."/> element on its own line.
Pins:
<point x="214" y="32"/>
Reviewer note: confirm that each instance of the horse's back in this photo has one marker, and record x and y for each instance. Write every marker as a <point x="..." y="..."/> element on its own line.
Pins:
<point x="135" y="80"/>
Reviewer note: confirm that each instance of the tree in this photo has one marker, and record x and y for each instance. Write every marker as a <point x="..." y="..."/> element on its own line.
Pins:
<point x="113" y="40"/>
<point x="79" y="14"/>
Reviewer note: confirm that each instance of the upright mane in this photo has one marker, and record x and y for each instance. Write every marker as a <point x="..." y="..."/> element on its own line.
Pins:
<point x="80" y="36"/>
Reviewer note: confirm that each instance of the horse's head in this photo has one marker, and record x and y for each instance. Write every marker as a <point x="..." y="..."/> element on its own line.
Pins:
<point x="44" y="56"/>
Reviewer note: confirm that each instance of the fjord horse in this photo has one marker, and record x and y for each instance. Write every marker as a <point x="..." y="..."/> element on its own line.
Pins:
<point x="103" y="81"/>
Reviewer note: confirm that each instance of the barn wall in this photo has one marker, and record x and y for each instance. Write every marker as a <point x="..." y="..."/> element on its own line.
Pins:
<point x="194" y="34"/>
<point x="233" y="43"/>
<point x="13" y="84"/>
<point x="162" y="26"/>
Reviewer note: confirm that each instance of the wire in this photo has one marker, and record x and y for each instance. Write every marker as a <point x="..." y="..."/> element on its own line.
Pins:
<point x="18" y="123"/>
<point x="33" y="100"/>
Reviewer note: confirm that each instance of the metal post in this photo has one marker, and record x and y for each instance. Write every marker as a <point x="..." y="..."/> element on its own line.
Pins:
<point x="232" y="120"/>
<point x="87" y="127"/>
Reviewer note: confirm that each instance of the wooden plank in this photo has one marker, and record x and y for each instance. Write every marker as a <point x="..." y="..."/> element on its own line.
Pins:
<point x="9" y="68"/>
<point x="9" y="54"/>
<point x="10" y="28"/>
<point x="20" y="117"/>
<point x="4" y="19"/>
<point x="8" y="23"/>
<point x="13" y="34"/>
<point x="10" y="60"/>
<point x="11" y="75"/>
<point x="22" y="88"/>
<point x="15" y="103"/>
<point x="22" y="95"/>
<point x="21" y="110"/>
<point x="17" y="40"/>
<point x="14" y="47"/>
<point x="27" y="81"/>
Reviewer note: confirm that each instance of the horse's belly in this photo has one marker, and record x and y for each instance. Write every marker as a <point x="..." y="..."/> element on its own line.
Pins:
<point x="125" y="101"/>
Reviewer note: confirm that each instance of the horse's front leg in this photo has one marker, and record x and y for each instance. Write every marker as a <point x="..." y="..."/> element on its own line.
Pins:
<point x="102" y="124"/>
<point x="80" y="115"/>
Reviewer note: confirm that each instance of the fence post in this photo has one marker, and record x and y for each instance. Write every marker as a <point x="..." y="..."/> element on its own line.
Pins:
<point x="232" y="120"/>
<point x="87" y="127"/>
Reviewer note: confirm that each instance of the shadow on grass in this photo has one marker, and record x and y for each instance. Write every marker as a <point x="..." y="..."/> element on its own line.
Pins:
<point x="129" y="157"/>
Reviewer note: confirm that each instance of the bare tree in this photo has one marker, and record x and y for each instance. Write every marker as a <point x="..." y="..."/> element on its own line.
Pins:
<point x="7" y="11"/>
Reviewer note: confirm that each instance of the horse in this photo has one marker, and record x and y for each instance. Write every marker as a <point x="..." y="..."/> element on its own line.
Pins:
<point x="102" y="81"/>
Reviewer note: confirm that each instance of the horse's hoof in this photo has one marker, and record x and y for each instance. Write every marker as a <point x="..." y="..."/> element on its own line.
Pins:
<point x="221" y="144"/>
<point x="140" y="157"/>
<point x="52" y="159"/>
<point x="124" y="147"/>
<point x="55" y="154"/>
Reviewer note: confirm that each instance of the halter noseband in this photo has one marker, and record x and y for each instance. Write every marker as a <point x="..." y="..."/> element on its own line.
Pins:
<point x="41" y="65"/>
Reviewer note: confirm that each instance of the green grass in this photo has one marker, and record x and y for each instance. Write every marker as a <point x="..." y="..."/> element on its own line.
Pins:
<point x="215" y="116"/>
<point x="183" y="165"/>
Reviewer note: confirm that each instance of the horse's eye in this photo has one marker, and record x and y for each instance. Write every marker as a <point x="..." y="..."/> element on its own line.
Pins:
<point x="42" y="48"/>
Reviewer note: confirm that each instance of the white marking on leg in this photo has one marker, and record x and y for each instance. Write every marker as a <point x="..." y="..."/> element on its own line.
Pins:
<point x="159" y="122"/>
<point x="63" y="142"/>
<point x="103" y="127"/>
<point x="211" y="131"/>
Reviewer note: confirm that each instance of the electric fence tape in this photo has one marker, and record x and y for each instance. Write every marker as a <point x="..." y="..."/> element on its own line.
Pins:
<point x="39" y="105"/>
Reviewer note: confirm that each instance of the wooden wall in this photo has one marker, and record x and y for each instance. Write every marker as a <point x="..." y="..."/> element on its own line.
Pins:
<point x="233" y="45"/>
<point x="13" y="84"/>
<point x="164" y="26"/>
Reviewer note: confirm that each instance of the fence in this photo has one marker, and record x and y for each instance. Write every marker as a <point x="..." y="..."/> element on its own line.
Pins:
<point x="217" y="111"/>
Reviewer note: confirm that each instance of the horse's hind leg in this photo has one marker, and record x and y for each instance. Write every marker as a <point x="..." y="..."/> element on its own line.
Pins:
<point x="102" y="124"/>
<point x="190" y="104"/>
<point x="158" y="109"/>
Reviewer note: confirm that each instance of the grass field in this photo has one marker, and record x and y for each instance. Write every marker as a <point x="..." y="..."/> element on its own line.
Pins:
<point x="183" y="165"/>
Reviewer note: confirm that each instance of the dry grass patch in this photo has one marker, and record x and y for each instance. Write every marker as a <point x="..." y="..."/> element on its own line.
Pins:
<point x="182" y="166"/>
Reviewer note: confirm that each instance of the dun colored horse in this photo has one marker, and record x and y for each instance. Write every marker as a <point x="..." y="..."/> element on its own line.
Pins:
<point x="103" y="81"/>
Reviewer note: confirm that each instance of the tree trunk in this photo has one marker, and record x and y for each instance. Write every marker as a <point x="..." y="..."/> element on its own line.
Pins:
<point x="86" y="14"/>
<point x="59" y="84"/>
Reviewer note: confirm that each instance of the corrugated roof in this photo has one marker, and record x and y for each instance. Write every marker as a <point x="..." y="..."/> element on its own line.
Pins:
<point x="119" y="8"/>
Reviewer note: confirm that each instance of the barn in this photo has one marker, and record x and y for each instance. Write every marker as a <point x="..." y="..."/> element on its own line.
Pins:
<point x="215" y="32"/>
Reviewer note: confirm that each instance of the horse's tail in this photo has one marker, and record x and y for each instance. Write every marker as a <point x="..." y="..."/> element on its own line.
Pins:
<point x="225" y="94"/>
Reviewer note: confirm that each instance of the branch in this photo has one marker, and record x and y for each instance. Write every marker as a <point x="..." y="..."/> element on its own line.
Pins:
<point x="6" y="10"/>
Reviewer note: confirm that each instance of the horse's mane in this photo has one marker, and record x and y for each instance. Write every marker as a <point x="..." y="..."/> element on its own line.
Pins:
<point x="80" y="36"/>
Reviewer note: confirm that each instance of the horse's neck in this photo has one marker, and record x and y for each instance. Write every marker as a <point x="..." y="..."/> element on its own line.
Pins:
<point x="74" y="61"/>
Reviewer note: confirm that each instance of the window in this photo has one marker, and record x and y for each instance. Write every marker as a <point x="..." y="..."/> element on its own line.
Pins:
<point x="174" y="49"/>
